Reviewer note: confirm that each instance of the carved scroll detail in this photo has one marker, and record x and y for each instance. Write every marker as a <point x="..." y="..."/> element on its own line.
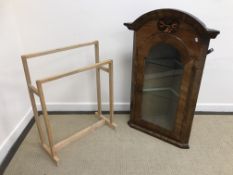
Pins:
<point x="168" y="25"/>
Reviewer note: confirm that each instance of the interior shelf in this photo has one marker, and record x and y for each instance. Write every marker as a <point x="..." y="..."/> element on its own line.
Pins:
<point x="174" y="92"/>
<point x="163" y="74"/>
<point x="168" y="62"/>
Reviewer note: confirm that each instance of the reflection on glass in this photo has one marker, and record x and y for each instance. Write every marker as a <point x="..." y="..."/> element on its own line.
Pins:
<point x="162" y="79"/>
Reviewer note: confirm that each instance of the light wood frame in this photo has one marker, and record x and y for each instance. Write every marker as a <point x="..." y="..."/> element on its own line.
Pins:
<point x="52" y="148"/>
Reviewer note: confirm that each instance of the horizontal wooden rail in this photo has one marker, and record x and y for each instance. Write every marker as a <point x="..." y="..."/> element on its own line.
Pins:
<point x="55" y="77"/>
<point x="28" y="56"/>
<point x="79" y="135"/>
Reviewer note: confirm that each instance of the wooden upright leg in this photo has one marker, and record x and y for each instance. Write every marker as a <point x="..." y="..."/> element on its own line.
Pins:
<point x="111" y="97"/>
<point x="98" y="86"/>
<point x="32" y="99"/>
<point x="46" y="120"/>
<point x="35" y="112"/>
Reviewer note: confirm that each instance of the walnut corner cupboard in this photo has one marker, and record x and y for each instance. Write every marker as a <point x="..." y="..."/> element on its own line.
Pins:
<point x="169" y="52"/>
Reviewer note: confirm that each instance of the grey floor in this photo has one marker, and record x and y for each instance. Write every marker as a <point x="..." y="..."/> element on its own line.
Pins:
<point x="127" y="151"/>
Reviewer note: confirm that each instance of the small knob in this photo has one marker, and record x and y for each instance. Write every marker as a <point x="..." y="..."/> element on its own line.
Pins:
<point x="210" y="50"/>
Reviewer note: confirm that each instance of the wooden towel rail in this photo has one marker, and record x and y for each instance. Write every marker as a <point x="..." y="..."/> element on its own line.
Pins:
<point x="52" y="148"/>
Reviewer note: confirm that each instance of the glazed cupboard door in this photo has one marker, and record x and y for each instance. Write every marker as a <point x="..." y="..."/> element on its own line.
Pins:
<point x="163" y="72"/>
<point x="162" y="85"/>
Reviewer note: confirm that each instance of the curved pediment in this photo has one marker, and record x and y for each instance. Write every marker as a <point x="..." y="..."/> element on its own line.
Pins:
<point x="169" y="19"/>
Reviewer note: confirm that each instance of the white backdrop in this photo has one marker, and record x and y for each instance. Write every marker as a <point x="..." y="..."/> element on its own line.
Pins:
<point x="35" y="25"/>
<point x="13" y="100"/>
<point x="47" y="24"/>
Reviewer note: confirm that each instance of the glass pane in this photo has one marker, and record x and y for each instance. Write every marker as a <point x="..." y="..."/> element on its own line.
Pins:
<point x="162" y="79"/>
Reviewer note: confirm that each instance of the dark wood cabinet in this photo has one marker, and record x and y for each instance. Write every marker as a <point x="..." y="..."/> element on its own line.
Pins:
<point x="169" y="53"/>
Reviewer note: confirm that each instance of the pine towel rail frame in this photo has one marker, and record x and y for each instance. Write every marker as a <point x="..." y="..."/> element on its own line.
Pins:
<point x="52" y="148"/>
